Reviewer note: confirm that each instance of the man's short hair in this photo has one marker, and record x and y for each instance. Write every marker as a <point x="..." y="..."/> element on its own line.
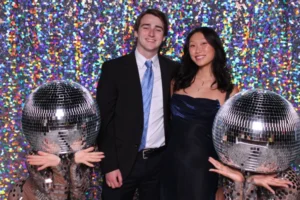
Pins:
<point x="156" y="13"/>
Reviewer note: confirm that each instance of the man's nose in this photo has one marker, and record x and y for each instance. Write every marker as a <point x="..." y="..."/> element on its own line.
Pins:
<point x="151" y="32"/>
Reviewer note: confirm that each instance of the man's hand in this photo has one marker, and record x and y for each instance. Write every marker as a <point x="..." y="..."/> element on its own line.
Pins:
<point x="114" y="179"/>
<point x="43" y="160"/>
<point x="88" y="157"/>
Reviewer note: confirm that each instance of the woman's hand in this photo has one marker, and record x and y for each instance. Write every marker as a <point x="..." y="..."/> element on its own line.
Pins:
<point x="51" y="147"/>
<point x="43" y="160"/>
<point x="267" y="181"/>
<point x="87" y="156"/>
<point x="77" y="145"/>
<point x="228" y="172"/>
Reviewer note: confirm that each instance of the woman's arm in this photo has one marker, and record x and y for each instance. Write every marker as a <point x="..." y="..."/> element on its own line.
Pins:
<point x="243" y="189"/>
<point x="235" y="90"/>
<point x="237" y="187"/>
<point x="80" y="175"/>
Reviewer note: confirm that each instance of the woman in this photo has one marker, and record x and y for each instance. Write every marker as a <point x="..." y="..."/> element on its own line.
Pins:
<point x="282" y="185"/>
<point x="53" y="176"/>
<point x="201" y="86"/>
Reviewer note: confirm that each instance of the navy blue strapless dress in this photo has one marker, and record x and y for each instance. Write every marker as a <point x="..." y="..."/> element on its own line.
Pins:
<point x="185" y="174"/>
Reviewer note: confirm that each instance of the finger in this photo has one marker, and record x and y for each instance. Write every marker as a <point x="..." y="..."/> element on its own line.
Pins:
<point x="88" y="164"/>
<point x="97" y="153"/>
<point x="108" y="184"/>
<point x="114" y="182"/>
<point x="269" y="188"/>
<point x="93" y="159"/>
<point x="33" y="157"/>
<point x="271" y="176"/>
<point x="89" y="149"/>
<point x="215" y="163"/>
<point x="112" y="186"/>
<point x="279" y="184"/>
<point x="282" y="180"/>
<point x="96" y="156"/>
<point x="42" y="167"/>
<point x="101" y="156"/>
<point x="120" y="179"/>
<point x="92" y="148"/>
<point x="232" y="176"/>
<point x="218" y="172"/>
<point x="211" y="160"/>
<point x="41" y="153"/>
<point x="35" y="163"/>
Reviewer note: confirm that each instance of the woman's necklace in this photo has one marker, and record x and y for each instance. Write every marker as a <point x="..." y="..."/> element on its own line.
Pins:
<point x="201" y="85"/>
<point x="198" y="88"/>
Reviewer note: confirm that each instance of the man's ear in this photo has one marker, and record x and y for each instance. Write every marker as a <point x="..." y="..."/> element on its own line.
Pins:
<point x="135" y="34"/>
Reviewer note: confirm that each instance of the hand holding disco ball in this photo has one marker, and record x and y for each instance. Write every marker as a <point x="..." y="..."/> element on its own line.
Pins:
<point x="61" y="121"/>
<point x="256" y="134"/>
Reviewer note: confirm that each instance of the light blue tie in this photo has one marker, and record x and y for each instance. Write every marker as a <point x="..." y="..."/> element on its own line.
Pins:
<point x="147" y="87"/>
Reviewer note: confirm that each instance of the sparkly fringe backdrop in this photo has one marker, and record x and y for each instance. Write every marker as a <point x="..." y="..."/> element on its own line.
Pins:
<point x="43" y="40"/>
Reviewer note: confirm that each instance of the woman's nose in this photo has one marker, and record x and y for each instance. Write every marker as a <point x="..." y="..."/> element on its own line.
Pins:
<point x="198" y="49"/>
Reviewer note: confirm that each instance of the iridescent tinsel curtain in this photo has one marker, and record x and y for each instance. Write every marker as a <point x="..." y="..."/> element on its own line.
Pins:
<point x="43" y="40"/>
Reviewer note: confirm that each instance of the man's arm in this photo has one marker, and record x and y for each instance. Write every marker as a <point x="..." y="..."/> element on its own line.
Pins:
<point x="106" y="99"/>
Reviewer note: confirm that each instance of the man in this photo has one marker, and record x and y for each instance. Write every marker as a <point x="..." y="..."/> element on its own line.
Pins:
<point x="133" y="95"/>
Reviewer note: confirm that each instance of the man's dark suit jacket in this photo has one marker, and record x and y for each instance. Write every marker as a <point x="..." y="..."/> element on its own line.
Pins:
<point x="119" y="96"/>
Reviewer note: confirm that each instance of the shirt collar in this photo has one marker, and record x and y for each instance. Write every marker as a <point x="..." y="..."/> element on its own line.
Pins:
<point x="140" y="59"/>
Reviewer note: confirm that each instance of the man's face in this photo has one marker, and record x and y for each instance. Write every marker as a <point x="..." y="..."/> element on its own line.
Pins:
<point x="150" y="35"/>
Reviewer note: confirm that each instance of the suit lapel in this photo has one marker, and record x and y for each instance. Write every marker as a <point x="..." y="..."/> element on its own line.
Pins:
<point x="135" y="89"/>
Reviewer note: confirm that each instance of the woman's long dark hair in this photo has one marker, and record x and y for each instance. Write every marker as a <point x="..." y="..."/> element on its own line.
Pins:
<point x="187" y="72"/>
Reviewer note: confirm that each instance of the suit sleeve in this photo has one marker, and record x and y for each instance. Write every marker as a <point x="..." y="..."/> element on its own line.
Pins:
<point x="106" y="99"/>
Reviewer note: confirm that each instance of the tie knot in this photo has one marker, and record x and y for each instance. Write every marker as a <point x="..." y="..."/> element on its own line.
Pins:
<point x="148" y="63"/>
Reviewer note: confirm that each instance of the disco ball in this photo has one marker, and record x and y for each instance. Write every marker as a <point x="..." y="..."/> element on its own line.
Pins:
<point x="60" y="117"/>
<point x="257" y="131"/>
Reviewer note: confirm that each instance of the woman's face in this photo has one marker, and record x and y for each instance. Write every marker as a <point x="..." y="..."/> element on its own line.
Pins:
<point x="201" y="52"/>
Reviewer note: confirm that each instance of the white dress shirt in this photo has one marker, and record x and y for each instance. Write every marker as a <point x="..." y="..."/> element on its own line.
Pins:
<point x="156" y="132"/>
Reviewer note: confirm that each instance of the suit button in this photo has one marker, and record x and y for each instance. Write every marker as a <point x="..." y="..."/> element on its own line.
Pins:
<point x="136" y="145"/>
